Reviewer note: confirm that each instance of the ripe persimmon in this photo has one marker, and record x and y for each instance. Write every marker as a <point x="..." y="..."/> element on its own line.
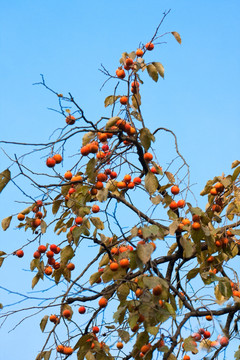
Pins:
<point x="70" y="266"/>
<point x="99" y="185"/>
<point x="173" y="205"/>
<point x="196" y="225"/>
<point x="216" y="208"/>
<point x="42" y="249"/>
<point x="60" y="349"/>
<point x="138" y="292"/>
<point x="67" y="350"/>
<point x="120" y="73"/>
<point x="101" y="177"/>
<point x="102" y="302"/>
<point x="50" y="253"/>
<point x="121" y="185"/>
<point x="157" y="290"/>
<point x="181" y="203"/>
<point x="149" y="46"/>
<point x="21" y="217"/>
<point x="79" y="220"/>
<point x="145" y="348"/>
<point x="213" y="191"/>
<point x="53" y="318"/>
<point x="53" y="248"/>
<point x="137" y="180"/>
<point x="48" y="270"/>
<point x="114" y="266"/>
<point x="195" y="218"/>
<point x="186" y="221"/>
<point x="124" y="263"/>
<point x="19" y="253"/>
<point x="66" y="313"/>
<point x="119" y="345"/>
<point x="100" y="155"/>
<point x="85" y="150"/>
<point x="36" y="255"/>
<point x="95" y="329"/>
<point x="148" y="156"/>
<point x="95" y="208"/>
<point x="139" y="52"/>
<point x="124" y="100"/>
<point x="93" y="148"/>
<point x="70" y="120"/>
<point x="219" y="187"/>
<point x="208" y="317"/>
<point x="39" y="215"/>
<point x="50" y="162"/>
<point x="175" y="190"/>
<point x="57" y="158"/>
<point x="113" y="175"/>
<point x="82" y="310"/>
<point x="68" y="175"/>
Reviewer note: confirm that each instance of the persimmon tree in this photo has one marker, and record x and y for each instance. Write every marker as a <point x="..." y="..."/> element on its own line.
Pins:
<point x="162" y="281"/>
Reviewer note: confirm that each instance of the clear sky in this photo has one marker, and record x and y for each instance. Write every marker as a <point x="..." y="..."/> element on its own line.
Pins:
<point x="67" y="41"/>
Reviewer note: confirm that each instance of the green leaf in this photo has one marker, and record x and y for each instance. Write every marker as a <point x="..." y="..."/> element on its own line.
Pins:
<point x="102" y="194"/>
<point x="151" y="183"/>
<point x="6" y="222"/>
<point x="189" y="345"/>
<point x="104" y="260"/>
<point x="235" y="163"/>
<point x="152" y="72"/>
<point x="43" y="226"/>
<point x="2" y="253"/>
<point x="124" y="335"/>
<point x="177" y="36"/>
<point x="192" y="273"/>
<point x="153" y="330"/>
<point x="55" y="206"/>
<point x="112" y="121"/>
<point x="94" y="278"/>
<point x="225" y="288"/>
<point x="88" y="137"/>
<point x="110" y="100"/>
<point x="170" y="177"/>
<point x="35" y="280"/>
<point x="144" y="252"/>
<point x="123" y="291"/>
<point x="136" y="100"/>
<point x="146" y="137"/>
<point x="1" y="261"/>
<point x="1" y="306"/>
<point x="44" y="355"/>
<point x="43" y="323"/>
<point x="34" y="264"/>
<point x="236" y="173"/>
<point x="188" y="247"/>
<point x="220" y="299"/>
<point x="156" y="199"/>
<point x="5" y="177"/>
<point x="237" y="354"/>
<point x="67" y="253"/>
<point x="97" y="223"/>
<point x="151" y="281"/>
<point x="160" y="68"/>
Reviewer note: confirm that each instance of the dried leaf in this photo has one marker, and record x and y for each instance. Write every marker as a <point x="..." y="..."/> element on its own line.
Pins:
<point x="5" y="177"/>
<point x="152" y="72"/>
<point x="6" y="222"/>
<point x="160" y="68"/>
<point x="177" y="36"/>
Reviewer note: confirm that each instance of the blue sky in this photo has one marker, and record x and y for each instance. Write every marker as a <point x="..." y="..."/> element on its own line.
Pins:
<point x="68" y="41"/>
